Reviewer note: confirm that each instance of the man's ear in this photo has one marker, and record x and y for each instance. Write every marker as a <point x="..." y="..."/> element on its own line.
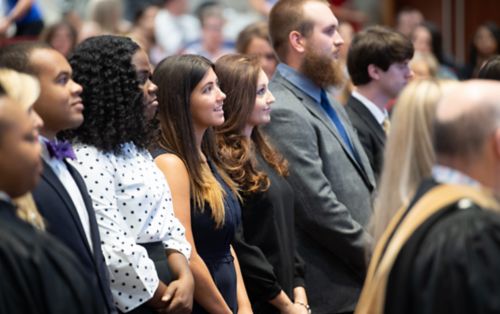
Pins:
<point x="297" y="41"/>
<point x="374" y="72"/>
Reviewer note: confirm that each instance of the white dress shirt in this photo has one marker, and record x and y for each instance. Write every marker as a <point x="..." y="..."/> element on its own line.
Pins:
<point x="133" y="205"/>
<point x="379" y="114"/>
<point x="62" y="172"/>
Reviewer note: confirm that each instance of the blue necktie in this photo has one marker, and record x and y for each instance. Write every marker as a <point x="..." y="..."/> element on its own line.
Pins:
<point x="60" y="149"/>
<point x="325" y="104"/>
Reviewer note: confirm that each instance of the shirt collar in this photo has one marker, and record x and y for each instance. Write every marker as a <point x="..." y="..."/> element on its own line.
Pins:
<point x="300" y="81"/>
<point x="447" y="175"/>
<point x="380" y="115"/>
<point x="5" y="197"/>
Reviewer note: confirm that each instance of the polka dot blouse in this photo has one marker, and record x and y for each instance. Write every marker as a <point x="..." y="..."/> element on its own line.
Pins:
<point x="133" y="204"/>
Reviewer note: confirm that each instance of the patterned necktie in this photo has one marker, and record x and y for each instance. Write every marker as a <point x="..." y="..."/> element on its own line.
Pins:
<point x="60" y="149"/>
<point x="386" y="125"/>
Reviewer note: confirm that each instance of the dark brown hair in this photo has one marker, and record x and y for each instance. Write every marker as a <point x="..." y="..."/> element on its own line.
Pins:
<point x="238" y="76"/>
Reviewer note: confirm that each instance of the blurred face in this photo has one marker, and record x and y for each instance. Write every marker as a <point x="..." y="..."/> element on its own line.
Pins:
<point x="36" y="121"/>
<point x="59" y="105"/>
<point x="147" y="21"/>
<point x="261" y="47"/>
<point x="422" y="40"/>
<point x="325" y="39"/>
<point x="62" y="40"/>
<point x="206" y="102"/>
<point x="144" y="72"/>
<point x="485" y="42"/>
<point x="261" y="113"/>
<point x="395" y="78"/>
<point x="20" y="163"/>
<point x="212" y="32"/>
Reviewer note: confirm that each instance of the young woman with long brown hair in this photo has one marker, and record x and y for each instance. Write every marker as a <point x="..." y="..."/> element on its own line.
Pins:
<point x="272" y="270"/>
<point x="205" y="198"/>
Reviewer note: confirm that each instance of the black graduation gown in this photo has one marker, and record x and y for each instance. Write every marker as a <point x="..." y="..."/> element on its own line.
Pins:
<point x="38" y="274"/>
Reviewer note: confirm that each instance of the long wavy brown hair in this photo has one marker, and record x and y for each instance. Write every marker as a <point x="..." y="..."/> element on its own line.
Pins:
<point x="238" y="75"/>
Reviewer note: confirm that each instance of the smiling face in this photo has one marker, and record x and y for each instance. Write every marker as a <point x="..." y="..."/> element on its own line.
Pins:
<point x="261" y="113"/>
<point x="206" y="102"/>
<point x="140" y="61"/>
<point x="59" y="105"/>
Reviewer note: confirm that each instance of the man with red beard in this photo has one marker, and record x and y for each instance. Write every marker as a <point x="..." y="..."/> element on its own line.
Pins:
<point x="378" y="65"/>
<point x="329" y="170"/>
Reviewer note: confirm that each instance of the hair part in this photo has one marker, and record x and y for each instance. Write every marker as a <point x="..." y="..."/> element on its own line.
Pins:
<point x="176" y="78"/>
<point x="377" y="45"/>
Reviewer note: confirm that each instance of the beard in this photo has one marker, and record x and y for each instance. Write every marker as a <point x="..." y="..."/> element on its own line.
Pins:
<point x="322" y="70"/>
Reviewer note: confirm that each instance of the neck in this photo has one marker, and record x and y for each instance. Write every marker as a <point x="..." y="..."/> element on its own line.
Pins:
<point x="198" y="134"/>
<point x="374" y="95"/>
<point x="48" y="134"/>
<point x="477" y="170"/>
<point x="247" y="131"/>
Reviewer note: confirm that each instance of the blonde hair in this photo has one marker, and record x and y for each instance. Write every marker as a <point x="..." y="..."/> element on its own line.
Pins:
<point x="409" y="154"/>
<point x="24" y="89"/>
<point x="428" y="61"/>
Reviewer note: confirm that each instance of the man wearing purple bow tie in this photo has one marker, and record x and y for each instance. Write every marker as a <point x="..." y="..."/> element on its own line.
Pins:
<point x="61" y="195"/>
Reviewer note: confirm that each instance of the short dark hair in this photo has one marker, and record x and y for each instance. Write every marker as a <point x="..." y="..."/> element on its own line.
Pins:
<point x="17" y="56"/>
<point x="379" y="46"/>
<point x="490" y="70"/>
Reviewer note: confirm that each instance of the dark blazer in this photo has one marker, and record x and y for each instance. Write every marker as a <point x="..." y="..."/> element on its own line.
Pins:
<point x="334" y="196"/>
<point x="370" y="133"/>
<point x="63" y="222"/>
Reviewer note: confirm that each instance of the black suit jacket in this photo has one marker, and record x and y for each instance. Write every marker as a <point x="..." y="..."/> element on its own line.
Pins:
<point x="370" y="133"/>
<point x="63" y="222"/>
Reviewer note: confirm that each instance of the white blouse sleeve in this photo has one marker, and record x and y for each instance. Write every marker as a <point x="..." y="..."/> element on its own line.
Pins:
<point x="133" y="275"/>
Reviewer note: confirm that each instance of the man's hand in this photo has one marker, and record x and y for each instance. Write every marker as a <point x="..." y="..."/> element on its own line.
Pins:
<point x="179" y="295"/>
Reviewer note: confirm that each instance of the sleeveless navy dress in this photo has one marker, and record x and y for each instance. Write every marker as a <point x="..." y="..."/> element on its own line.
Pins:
<point x="213" y="244"/>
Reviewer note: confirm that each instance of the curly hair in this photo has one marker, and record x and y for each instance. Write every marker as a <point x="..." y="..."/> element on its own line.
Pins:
<point x="114" y="109"/>
<point x="177" y="77"/>
<point x="238" y="76"/>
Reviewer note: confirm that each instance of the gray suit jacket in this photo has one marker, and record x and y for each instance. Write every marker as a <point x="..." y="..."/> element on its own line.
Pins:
<point x="334" y="196"/>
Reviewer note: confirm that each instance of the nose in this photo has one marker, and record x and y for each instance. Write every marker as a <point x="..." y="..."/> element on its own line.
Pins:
<point x="220" y="95"/>
<point x="152" y="88"/>
<point x="270" y="97"/>
<point x="337" y="39"/>
<point x="76" y="88"/>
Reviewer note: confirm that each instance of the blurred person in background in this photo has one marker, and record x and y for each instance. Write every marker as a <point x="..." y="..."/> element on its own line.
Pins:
<point x="486" y="43"/>
<point x="490" y="69"/>
<point x="427" y="38"/>
<point x="61" y="36"/>
<point x="254" y="40"/>
<point x="105" y="18"/>
<point x="25" y="15"/>
<point x="211" y="45"/>
<point x="407" y="20"/>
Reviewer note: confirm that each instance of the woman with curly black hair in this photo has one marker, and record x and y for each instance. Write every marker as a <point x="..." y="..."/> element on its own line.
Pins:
<point x="131" y="199"/>
<point x="272" y="269"/>
<point x="205" y="198"/>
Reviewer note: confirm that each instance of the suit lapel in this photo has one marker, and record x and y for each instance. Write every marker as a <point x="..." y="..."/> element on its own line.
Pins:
<point x="311" y="105"/>
<point x="368" y="118"/>
<point x="52" y="180"/>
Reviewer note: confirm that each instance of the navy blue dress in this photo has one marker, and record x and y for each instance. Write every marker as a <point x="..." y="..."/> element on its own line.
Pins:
<point x="213" y="244"/>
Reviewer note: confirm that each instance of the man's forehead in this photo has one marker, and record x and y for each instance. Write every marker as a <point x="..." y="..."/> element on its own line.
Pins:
<point x="49" y="61"/>
<point x="319" y="13"/>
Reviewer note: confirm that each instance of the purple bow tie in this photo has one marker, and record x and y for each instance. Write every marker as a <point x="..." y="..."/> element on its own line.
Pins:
<point x="60" y="150"/>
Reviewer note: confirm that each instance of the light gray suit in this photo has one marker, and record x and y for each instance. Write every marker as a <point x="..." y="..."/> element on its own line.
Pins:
<point x="334" y="195"/>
